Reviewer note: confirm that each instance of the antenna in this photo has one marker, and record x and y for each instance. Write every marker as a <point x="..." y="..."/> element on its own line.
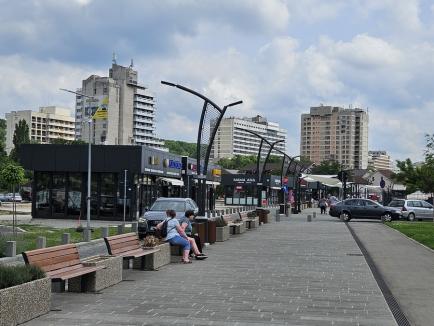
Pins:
<point x="114" y="58"/>
<point x="132" y="63"/>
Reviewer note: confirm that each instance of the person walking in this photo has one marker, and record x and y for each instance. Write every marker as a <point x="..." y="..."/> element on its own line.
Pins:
<point x="323" y="205"/>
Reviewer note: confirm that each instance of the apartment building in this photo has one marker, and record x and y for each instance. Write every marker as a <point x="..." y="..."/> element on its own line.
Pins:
<point x="335" y="133"/>
<point x="379" y="160"/>
<point x="49" y="123"/>
<point x="130" y="109"/>
<point x="232" y="139"/>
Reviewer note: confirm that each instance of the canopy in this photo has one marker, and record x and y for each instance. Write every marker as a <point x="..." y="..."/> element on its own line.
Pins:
<point x="327" y="180"/>
<point x="173" y="182"/>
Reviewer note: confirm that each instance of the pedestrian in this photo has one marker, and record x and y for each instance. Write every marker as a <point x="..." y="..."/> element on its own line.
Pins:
<point x="194" y="239"/>
<point x="176" y="235"/>
<point x="323" y="205"/>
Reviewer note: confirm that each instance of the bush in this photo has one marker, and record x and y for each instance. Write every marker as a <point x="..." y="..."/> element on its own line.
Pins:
<point x="220" y="222"/>
<point x="15" y="275"/>
<point x="252" y="214"/>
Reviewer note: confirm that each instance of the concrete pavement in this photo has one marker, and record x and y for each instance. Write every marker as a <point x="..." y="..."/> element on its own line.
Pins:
<point x="406" y="266"/>
<point x="288" y="273"/>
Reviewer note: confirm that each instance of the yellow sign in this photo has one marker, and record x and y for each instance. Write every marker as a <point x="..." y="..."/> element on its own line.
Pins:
<point x="101" y="113"/>
<point x="216" y="172"/>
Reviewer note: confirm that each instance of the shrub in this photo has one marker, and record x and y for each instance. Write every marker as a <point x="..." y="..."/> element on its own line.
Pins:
<point x="252" y="214"/>
<point x="15" y="275"/>
<point x="151" y="241"/>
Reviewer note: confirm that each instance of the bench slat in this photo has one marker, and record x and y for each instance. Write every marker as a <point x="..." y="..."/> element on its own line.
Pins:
<point x="52" y="256"/>
<point x="119" y="242"/>
<point x="49" y="249"/>
<point x="118" y="250"/>
<point x="74" y="273"/>
<point x="128" y="243"/>
<point x="137" y="253"/>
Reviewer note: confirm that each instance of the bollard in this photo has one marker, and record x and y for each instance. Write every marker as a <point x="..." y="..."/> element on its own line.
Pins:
<point x="134" y="227"/>
<point x="11" y="248"/>
<point x="104" y="232"/>
<point x="66" y="238"/>
<point x="227" y="211"/>
<point x="87" y="235"/>
<point x="41" y="242"/>
<point x="279" y="217"/>
<point x="121" y="228"/>
<point x="213" y="213"/>
<point x="314" y="214"/>
<point x="309" y="218"/>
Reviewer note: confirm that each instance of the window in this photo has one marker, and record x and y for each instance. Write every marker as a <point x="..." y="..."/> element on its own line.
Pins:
<point x="426" y="205"/>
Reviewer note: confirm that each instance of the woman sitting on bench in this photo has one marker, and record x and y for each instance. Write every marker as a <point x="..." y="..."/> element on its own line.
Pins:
<point x="194" y="239"/>
<point x="176" y="235"/>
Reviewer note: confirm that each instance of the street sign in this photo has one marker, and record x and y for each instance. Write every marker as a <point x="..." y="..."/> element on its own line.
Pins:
<point x="101" y="113"/>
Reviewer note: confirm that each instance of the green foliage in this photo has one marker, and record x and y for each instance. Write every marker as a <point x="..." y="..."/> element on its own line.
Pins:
<point x="2" y="137"/>
<point x="422" y="232"/>
<point x="327" y="167"/>
<point x="237" y="162"/>
<point x="21" y="136"/>
<point x="61" y="141"/>
<point x="12" y="174"/>
<point x="181" y="148"/>
<point x="15" y="275"/>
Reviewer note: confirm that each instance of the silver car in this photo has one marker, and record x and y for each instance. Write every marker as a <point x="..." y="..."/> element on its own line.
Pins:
<point x="412" y="209"/>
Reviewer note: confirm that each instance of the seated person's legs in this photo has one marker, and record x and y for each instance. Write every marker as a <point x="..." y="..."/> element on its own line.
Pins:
<point x="185" y="244"/>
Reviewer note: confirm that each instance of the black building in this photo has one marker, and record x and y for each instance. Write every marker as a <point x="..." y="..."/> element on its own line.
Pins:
<point x="59" y="188"/>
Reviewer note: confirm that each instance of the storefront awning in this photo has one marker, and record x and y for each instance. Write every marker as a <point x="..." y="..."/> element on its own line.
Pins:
<point x="214" y="183"/>
<point x="327" y="180"/>
<point x="173" y="182"/>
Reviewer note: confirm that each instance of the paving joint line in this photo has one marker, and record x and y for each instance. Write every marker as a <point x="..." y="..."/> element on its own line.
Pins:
<point x="394" y="306"/>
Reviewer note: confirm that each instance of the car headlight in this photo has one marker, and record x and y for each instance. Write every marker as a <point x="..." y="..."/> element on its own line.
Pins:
<point x="142" y="220"/>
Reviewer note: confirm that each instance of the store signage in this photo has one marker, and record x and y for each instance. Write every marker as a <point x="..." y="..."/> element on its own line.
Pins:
<point x="244" y="180"/>
<point x="216" y="172"/>
<point x="192" y="167"/>
<point x="154" y="160"/>
<point x="175" y="164"/>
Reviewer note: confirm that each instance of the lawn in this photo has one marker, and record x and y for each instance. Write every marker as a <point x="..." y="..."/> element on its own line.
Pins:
<point x="27" y="240"/>
<point x="422" y="232"/>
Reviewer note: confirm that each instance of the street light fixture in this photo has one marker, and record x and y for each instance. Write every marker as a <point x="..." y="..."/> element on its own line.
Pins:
<point x="89" y="158"/>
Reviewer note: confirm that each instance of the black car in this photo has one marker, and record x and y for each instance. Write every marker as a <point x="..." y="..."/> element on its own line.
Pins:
<point x="361" y="208"/>
<point x="157" y="213"/>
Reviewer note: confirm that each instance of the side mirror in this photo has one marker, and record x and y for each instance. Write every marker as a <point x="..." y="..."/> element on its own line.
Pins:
<point x="146" y="208"/>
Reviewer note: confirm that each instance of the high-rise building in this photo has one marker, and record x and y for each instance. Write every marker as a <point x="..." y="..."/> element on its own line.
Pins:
<point x="379" y="160"/>
<point x="335" y="133"/>
<point x="49" y="123"/>
<point x="130" y="109"/>
<point x="231" y="140"/>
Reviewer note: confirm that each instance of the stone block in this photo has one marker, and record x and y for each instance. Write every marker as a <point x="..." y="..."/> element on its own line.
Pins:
<point x="158" y="259"/>
<point x="66" y="238"/>
<point x="104" y="231"/>
<point x="101" y="279"/>
<point x="11" y="249"/>
<point x="24" y="302"/>
<point x="41" y="242"/>
<point x="222" y="233"/>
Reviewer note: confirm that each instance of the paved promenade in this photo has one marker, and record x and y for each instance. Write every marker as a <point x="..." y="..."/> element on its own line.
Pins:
<point x="287" y="273"/>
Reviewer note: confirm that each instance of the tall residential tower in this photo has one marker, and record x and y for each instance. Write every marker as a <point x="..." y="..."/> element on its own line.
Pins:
<point x="130" y="109"/>
<point x="335" y="133"/>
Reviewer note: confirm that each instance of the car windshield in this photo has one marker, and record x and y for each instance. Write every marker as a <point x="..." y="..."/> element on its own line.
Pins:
<point x="396" y="203"/>
<point x="164" y="205"/>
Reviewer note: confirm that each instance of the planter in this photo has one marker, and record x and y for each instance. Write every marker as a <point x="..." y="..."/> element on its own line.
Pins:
<point x="101" y="279"/>
<point x="237" y="228"/>
<point x="252" y="223"/>
<point x="156" y="260"/>
<point x="212" y="224"/>
<point x="222" y="233"/>
<point x="24" y="302"/>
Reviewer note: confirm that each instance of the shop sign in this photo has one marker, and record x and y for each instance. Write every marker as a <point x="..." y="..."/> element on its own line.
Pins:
<point x="216" y="172"/>
<point x="175" y="164"/>
<point x="244" y="180"/>
<point x="192" y="167"/>
<point x="239" y="187"/>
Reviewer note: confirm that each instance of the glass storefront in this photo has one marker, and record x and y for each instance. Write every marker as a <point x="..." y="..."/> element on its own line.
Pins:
<point x="58" y="194"/>
<point x="42" y="194"/>
<point x="74" y="194"/>
<point x="108" y="195"/>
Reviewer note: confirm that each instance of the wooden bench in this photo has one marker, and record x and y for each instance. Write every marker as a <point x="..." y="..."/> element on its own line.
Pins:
<point x="60" y="263"/>
<point x="251" y="222"/>
<point x="234" y="227"/>
<point x="128" y="246"/>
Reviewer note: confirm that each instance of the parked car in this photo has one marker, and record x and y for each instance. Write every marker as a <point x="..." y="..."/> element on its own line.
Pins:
<point x="412" y="209"/>
<point x="157" y="213"/>
<point x="362" y="208"/>
<point x="11" y="197"/>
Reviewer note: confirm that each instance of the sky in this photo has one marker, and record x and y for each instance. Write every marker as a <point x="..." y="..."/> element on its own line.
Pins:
<point x="280" y="57"/>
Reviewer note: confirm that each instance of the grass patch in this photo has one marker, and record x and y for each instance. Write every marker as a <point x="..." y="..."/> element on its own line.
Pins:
<point x="422" y="232"/>
<point x="27" y="240"/>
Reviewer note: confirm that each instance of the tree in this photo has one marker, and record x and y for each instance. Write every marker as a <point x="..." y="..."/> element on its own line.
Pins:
<point x="13" y="175"/>
<point x="61" y="141"/>
<point x="327" y="167"/>
<point x="21" y="136"/>
<point x="2" y="137"/>
<point x="181" y="147"/>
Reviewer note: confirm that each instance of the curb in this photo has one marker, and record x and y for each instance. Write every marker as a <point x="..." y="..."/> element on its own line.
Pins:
<point x="406" y="236"/>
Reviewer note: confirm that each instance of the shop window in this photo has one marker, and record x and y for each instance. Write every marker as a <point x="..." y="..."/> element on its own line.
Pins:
<point x="74" y="194"/>
<point x="42" y="194"/>
<point x="58" y="194"/>
<point x="108" y="195"/>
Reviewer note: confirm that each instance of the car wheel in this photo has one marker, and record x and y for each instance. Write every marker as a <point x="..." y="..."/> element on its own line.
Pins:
<point x="387" y="217"/>
<point x="345" y="216"/>
<point x="411" y="217"/>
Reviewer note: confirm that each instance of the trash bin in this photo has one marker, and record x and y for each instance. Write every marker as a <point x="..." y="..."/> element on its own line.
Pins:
<point x="200" y="227"/>
<point x="262" y="214"/>
<point x="212" y="224"/>
<point x="281" y="208"/>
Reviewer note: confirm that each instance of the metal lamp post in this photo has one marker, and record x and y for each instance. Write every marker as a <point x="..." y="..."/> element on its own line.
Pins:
<point x="89" y="159"/>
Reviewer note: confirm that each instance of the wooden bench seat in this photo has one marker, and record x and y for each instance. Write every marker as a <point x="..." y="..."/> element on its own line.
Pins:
<point x="128" y="246"/>
<point x="60" y="263"/>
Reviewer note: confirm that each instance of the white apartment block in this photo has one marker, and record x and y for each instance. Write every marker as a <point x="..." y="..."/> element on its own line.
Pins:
<point x="49" y="123"/>
<point x="379" y="160"/>
<point x="130" y="108"/>
<point x="335" y="133"/>
<point x="231" y="140"/>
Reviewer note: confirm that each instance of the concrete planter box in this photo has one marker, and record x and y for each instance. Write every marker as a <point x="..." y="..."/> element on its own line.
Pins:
<point x="157" y="259"/>
<point x="222" y="233"/>
<point x="252" y="223"/>
<point x="101" y="279"/>
<point x="237" y="228"/>
<point x="24" y="302"/>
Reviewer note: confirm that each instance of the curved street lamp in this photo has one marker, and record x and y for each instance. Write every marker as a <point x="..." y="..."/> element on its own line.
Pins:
<point x="203" y="140"/>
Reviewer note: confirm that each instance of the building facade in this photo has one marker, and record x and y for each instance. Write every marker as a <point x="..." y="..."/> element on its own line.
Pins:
<point x="379" y="160"/>
<point x="231" y="140"/>
<point x="335" y="133"/>
<point x="130" y="109"/>
<point x="49" y="123"/>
